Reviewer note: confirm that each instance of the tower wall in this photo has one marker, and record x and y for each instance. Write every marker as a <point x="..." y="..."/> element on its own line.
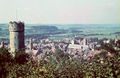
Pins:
<point x="16" y="36"/>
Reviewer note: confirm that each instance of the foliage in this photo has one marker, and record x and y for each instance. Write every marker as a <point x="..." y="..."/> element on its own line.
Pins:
<point x="61" y="65"/>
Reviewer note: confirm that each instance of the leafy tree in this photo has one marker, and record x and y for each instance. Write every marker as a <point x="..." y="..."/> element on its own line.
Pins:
<point x="60" y="65"/>
<point x="5" y="58"/>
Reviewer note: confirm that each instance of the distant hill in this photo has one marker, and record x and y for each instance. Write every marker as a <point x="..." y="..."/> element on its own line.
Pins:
<point x="3" y="24"/>
<point x="45" y="28"/>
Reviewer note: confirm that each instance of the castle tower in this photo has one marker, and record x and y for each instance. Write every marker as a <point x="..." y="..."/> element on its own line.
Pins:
<point x="16" y="36"/>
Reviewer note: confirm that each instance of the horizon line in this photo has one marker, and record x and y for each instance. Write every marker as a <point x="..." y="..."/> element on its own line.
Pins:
<point x="58" y="23"/>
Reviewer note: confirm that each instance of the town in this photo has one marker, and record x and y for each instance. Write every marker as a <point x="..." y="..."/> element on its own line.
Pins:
<point x="76" y="47"/>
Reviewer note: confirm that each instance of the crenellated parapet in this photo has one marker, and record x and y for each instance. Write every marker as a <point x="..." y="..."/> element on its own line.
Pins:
<point x="16" y="26"/>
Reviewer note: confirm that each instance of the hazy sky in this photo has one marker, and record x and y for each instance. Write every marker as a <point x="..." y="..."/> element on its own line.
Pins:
<point x="60" y="11"/>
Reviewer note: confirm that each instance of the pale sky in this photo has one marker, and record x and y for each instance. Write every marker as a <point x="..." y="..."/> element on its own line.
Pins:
<point x="60" y="11"/>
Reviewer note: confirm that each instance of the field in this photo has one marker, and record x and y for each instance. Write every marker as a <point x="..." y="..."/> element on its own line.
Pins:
<point x="92" y="30"/>
<point x="61" y="31"/>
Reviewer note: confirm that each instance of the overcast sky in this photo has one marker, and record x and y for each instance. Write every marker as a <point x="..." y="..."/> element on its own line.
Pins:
<point x="60" y="11"/>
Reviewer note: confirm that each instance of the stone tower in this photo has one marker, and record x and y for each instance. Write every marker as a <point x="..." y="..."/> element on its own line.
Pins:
<point x="16" y="36"/>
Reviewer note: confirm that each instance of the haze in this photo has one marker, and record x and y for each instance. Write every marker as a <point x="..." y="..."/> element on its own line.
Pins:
<point x="60" y="11"/>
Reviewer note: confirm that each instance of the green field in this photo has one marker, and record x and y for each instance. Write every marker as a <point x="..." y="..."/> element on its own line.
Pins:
<point x="69" y="30"/>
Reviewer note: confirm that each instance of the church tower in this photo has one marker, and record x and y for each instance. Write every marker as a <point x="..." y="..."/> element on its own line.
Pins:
<point x="16" y="36"/>
<point x="31" y="44"/>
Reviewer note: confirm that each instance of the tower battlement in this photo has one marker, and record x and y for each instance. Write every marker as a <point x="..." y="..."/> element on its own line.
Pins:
<point x="16" y="26"/>
<point x="16" y="36"/>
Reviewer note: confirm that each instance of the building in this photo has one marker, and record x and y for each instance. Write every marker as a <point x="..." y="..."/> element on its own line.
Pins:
<point x="16" y="36"/>
<point x="31" y="44"/>
<point x="74" y="46"/>
<point x="2" y="45"/>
